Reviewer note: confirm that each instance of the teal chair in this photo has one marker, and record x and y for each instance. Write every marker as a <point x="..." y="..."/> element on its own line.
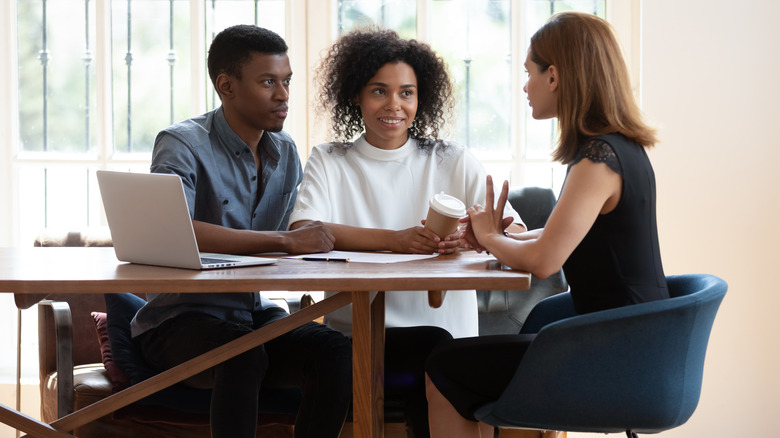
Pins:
<point x="634" y="369"/>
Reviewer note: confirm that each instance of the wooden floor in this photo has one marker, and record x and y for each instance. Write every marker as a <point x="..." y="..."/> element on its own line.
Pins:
<point x="398" y="430"/>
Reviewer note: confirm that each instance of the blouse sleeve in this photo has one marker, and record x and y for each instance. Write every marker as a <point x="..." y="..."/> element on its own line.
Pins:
<point x="312" y="202"/>
<point x="599" y="151"/>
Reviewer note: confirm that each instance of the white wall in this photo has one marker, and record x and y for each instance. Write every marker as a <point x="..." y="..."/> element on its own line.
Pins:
<point x="711" y="84"/>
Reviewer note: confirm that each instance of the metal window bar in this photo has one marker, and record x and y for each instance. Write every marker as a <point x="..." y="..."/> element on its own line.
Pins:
<point x="87" y="58"/>
<point x="171" y="57"/>
<point x="44" y="57"/>
<point x="467" y="66"/>
<point x="211" y="38"/>
<point x="129" y="62"/>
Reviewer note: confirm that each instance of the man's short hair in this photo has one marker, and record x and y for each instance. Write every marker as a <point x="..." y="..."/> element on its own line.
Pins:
<point x="234" y="46"/>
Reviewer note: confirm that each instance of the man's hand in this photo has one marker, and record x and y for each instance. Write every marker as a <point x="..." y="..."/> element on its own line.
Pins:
<point x="311" y="237"/>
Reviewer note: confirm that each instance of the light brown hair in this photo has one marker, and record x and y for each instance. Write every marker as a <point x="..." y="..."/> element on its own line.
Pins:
<point x="594" y="90"/>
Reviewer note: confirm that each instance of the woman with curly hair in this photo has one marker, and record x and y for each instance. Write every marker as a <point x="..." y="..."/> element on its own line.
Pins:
<point x="372" y="191"/>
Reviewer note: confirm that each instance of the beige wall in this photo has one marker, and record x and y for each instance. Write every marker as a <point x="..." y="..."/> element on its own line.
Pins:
<point x="711" y="84"/>
<point x="31" y="402"/>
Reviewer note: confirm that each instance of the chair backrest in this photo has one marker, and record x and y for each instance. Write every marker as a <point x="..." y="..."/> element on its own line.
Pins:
<point x="533" y="204"/>
<point x="86" y="348"/>
<point x="502" y="311"/>
<point x="637" y="367"/>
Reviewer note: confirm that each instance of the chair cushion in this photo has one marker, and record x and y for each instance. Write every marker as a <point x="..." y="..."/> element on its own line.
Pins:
<point x="116" y="375"/>
<point x="120" y="310"/>
<point x="90" y="384"/>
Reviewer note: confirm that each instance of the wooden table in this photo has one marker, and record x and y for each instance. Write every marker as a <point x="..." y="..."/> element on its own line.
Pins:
<point x="32" y="273"/>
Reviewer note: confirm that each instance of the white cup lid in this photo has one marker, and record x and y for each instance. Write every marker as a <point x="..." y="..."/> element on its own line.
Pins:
<point x="448" y="205"/>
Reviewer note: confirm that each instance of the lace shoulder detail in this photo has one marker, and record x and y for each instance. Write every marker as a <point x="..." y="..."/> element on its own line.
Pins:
<point x="599" y="151"/>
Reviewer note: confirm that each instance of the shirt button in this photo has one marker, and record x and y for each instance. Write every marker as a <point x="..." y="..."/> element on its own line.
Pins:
<point x="254" y="178"/>
<point x="225" y="202"/>
<point x="238" y="153"/>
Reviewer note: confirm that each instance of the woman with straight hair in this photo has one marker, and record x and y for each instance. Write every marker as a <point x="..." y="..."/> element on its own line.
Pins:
<point x="602" y="231"/>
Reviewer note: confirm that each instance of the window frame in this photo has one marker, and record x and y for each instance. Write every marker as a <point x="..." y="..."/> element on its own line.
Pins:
<point x="314" y="18"/>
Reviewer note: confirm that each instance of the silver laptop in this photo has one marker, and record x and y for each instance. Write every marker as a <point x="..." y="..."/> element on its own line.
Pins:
<point x="150" y="223"/>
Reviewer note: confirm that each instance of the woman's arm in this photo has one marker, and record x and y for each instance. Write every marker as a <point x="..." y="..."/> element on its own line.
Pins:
<point x="525" y="235"/>
<point x="414" y="240"/>
<point x="591" y="189"/>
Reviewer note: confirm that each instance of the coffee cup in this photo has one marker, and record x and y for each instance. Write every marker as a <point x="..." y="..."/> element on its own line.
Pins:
<point x="443" y="214"/>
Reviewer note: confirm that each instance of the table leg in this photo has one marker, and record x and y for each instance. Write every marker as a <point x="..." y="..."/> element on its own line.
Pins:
<point x="436" y="297"/>
<point x="29" y="425"/>
<point x="368" y="351"/>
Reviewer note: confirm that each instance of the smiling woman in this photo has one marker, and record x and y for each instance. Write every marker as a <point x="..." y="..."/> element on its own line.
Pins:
<point x="373" y="192"/>
<point x="388" y="105"/>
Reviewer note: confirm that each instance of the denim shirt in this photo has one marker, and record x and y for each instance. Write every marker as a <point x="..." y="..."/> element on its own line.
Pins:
<point x="223" y="187"/>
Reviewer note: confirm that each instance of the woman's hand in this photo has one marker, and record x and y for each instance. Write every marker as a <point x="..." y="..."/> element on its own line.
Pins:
<point x="484" y="223"/>
<point x="450" y="243"/>
<point x="417" y="240"/>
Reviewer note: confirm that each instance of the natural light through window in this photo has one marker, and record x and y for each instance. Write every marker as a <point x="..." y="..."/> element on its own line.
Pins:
<point x="94" y="81"/>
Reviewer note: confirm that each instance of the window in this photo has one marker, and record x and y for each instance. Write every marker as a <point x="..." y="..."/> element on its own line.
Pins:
<point x="87" y="84"/>
<point x="96" y="80"/>
<point x="484" y="44"/>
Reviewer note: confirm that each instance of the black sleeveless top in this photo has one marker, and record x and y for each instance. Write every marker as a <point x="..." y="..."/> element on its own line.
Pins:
<point x="619" y="261"/>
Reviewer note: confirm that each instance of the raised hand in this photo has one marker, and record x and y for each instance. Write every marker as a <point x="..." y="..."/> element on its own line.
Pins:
<point x="489" y="219"/>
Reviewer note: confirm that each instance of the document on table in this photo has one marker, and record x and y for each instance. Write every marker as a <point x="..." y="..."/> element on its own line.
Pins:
<point x="362" y="257"/>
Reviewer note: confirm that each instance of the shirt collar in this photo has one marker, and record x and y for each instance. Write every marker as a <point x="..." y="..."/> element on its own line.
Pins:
<point x="235" y="144"/>
<point x="365" y="148"/>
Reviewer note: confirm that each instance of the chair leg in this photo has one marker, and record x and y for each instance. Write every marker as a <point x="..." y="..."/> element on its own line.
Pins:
<point x="631" y="434"/>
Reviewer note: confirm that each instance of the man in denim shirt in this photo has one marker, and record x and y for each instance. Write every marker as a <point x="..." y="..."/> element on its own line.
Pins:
<point x="240" y="174"/>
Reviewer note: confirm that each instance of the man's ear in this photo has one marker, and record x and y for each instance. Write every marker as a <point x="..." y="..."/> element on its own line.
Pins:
<point x="553" y="79"/>
<point x="224" y="85"/>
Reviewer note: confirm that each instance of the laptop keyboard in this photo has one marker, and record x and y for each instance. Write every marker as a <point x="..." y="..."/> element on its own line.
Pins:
<point x="210" y="260"/>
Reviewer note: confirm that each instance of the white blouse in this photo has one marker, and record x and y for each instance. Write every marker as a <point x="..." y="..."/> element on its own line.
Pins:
<point x="370" y="187"/>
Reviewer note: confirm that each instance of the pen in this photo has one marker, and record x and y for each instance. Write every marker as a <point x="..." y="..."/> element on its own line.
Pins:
<point x="325" y="259"/>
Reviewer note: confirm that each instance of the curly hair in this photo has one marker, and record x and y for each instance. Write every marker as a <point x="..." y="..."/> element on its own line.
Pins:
<point x="356" y="57"/>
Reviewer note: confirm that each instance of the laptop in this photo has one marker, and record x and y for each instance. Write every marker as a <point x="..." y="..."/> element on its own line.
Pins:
<point x="150" y="223"/>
